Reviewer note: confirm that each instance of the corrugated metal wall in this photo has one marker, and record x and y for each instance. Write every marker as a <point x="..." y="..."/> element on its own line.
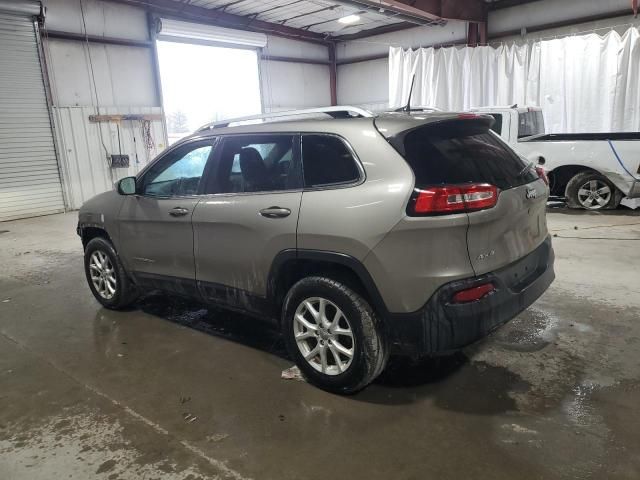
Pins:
<point x="85" y="167"/>
<point x="88" y="78"/>
<point x="120" y="79"/>
<point x="29" y="176"/>
<point x="287" y="86"/>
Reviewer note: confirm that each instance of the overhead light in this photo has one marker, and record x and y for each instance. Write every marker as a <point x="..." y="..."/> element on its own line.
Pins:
<point x="349" y="19"/>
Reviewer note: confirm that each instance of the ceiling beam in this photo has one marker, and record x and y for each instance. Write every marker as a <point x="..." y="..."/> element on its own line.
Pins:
<point x="312" y="12"/>
<point x="394" y="27"/>
<point x="421" y="12"/>
<point x="402" y="10"/>
<point x="500" y="4"/>
<point x="277" y="7"/>
<point x="309" y="61"/>
<point x="465" y="10"/>
<point x="95" y="39"/>
<point x="223" y="19"/>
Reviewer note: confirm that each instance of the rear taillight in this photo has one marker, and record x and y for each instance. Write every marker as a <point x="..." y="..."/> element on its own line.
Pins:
<point x="542" y="174"/>
<point x="473" y="294"/>
<point x="453" y="199"/>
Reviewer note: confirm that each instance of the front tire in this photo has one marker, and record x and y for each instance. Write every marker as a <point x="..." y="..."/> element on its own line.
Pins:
<point x="333" y="335"/>
<point x="591" y="191"/>
<point x="106" y="276"/>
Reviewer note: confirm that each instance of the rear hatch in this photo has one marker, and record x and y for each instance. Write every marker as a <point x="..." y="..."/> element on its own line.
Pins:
<point x="460" y="166"/>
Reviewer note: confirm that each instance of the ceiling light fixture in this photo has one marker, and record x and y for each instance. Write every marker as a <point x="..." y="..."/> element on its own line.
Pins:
<point x="349" y="19"/>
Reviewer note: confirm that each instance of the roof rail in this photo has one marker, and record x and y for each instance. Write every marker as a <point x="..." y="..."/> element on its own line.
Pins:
<point x="417" y="109"/>
<point x="334" y="112"/>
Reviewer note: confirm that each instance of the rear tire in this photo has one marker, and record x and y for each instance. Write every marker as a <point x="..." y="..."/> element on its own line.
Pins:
<point x="350" y="349"/>
<point x="106" y="276"/>
<point x="591" y="191"/>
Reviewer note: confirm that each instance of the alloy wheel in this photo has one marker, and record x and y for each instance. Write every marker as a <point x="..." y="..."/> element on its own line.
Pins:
<point x="103" y="275"/>
<point x="594" y="194"/>
<point x="323" y="335"/>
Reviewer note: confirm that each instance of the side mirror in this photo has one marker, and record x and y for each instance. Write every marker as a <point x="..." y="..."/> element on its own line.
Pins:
<point x="127" y="186"/>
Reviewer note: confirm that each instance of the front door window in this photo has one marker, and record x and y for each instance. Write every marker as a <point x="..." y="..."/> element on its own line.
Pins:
<point x="179" y="174"/>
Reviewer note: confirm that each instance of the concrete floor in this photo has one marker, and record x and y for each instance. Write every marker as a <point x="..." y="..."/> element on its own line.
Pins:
<point x="173" y="390"/>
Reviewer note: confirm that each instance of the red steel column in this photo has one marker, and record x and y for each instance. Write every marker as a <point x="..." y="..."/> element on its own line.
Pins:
<point x="333" y="74"/>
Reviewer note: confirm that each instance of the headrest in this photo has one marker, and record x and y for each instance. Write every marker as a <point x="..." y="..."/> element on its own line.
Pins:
<point x="252" y="165"/>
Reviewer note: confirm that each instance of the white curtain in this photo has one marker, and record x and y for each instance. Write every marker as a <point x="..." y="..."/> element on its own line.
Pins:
<point x="583" y="83"/>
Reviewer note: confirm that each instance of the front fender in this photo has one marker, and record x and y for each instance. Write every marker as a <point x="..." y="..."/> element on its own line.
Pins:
<point x="101" y="212"/>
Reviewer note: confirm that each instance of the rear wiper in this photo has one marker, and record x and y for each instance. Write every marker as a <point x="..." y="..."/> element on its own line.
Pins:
<point x="526" y="169"/>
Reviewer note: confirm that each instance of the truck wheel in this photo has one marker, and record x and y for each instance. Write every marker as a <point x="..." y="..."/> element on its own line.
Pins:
<point x="591" y="191"/>
<point x="333" y="335"/>
<point x="106" y="276"/>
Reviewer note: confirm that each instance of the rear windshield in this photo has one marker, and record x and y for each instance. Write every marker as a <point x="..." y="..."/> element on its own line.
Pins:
<point x="530" y="123"/>
<point x="462" y="152"/>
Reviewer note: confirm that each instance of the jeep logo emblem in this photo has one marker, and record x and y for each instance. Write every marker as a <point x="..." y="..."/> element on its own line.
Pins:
<point x="532" y="193"/>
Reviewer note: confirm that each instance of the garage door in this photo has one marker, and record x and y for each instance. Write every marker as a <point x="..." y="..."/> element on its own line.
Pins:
<point x="29" y="177"/>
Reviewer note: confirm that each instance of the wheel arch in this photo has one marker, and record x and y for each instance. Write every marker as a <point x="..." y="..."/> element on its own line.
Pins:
<point x="559" y="177"/>
<point x="290" y="266"/>
<point x="89" y="232"/>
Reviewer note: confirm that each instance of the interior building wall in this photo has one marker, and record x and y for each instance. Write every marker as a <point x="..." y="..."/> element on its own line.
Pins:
<point x="95" y="78"/>
<point x="87" y="78"/>
<point x="287" y="85"/>
<point x="374" y="93"/>
<point x="91" y="78"/>
<point x="546" y="12"/>
<point x="620" y="24"/>
<point x="101" y="18"/>
<point x="123" y="75"/>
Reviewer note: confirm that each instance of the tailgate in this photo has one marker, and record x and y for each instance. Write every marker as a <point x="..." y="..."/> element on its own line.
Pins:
<point x="452" y="158"/>
<point x="515" y="227"/>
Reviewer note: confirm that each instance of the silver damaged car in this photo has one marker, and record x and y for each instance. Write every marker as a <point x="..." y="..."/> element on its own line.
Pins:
<point x="361" y="236"/>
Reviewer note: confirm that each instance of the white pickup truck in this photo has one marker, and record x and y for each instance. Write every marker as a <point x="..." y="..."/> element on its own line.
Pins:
<point x="590" y="170"/>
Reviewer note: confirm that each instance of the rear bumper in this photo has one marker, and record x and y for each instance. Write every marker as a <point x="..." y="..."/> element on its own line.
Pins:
<point x="441" y="326"/>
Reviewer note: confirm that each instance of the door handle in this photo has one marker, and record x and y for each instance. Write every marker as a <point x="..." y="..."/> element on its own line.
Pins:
<point x="275" y="212"/>
<point x="178" y="212"/>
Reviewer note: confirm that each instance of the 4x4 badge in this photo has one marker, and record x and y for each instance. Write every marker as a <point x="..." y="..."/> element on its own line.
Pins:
<point x="532" y="193"/>
<point x="484" y="256"/>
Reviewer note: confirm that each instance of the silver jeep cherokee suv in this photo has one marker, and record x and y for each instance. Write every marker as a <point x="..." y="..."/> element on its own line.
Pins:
<point x="361" y="236"/>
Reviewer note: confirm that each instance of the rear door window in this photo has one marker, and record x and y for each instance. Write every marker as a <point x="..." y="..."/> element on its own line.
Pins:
<point x="327" y="161"/>
<point x="462" y="152"/>
<point x="257" y="163"/>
